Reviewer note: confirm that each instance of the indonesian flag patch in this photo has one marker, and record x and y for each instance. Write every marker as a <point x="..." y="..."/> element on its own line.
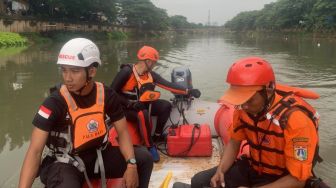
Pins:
<point x="44" y="112"/>
<point x="300" y="152"/>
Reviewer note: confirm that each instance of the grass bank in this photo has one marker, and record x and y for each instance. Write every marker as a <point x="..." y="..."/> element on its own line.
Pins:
<point x="8" y="39"/>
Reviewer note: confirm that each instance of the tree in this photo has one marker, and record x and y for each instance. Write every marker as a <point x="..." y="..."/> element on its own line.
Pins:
<point x="288" y="14"/>
<point x="324" y="14"/>
<point x="179" y="22"/>
<point x="143" y="15"/>
<point x="243" y="21"/>
<point x="83" y="10"/>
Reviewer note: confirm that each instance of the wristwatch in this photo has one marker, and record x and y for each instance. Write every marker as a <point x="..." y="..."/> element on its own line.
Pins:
<point x="131" y="161"/>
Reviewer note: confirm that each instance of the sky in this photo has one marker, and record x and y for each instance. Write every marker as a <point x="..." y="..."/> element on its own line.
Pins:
<point x="197" y="11"/>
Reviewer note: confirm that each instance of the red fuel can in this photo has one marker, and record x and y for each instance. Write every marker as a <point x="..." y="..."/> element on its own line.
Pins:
<point x="189" y="140"/>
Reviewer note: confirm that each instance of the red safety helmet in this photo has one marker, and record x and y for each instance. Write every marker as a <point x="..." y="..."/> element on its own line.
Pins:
<point x="147" y="52"/>
<point x="247" y="76"/>
<point x="250" y="71"/>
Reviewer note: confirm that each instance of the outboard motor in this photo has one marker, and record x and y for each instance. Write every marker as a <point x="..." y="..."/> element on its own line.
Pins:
<point x="182" y="76"/>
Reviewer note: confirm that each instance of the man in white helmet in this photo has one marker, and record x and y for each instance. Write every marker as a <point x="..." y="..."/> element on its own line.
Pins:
<point x="71" y="123"/>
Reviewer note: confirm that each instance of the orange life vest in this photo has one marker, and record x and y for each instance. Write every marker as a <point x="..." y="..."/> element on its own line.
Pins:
<point x="88" y="128"/>
<point x="137" y="87"/>
<point x="267" y="136"/>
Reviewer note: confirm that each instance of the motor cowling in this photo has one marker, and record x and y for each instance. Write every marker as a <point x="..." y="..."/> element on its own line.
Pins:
<point x="182" y="77"/>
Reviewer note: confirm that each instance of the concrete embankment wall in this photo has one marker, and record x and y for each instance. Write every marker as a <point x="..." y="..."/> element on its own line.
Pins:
<point x="20" y="25"/>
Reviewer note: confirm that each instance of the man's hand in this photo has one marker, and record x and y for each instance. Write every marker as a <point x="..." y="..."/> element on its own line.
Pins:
<point x="131" y="176"/>
<point x="194" y="92"/>
<point x="218" y="179"/>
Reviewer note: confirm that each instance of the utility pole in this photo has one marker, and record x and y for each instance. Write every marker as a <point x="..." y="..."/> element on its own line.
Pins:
<point x="209" y="18"/>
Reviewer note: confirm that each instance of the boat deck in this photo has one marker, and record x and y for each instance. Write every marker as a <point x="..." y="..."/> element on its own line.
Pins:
<point x="183" y="168"/>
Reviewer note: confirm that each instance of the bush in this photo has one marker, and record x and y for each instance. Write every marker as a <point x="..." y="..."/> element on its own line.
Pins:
<point x="117" y="35"/>
<point x="8" y="39"/>
<point x="36" y="38"/>
<point x="7" y="22"/>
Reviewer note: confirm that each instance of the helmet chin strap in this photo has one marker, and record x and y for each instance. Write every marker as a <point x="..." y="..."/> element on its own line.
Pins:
<point x="267" y="102"/>
<point x="88" y="80"/>
<point x="148" y="68"/>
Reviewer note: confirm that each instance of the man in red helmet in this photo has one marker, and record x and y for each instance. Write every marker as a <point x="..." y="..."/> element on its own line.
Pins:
<point x="279" y="126"/>
<point x="134" y="81"/>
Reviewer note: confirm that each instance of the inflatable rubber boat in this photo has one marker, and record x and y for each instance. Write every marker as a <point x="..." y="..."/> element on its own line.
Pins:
<point x="201" y="146"/>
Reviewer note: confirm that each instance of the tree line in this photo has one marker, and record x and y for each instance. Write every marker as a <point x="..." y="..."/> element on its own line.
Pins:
<point x="141" y="14"/>
<point x="309" y="15"/>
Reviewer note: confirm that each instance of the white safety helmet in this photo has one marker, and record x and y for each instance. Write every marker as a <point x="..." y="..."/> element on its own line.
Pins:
<point x="79" y="52"/>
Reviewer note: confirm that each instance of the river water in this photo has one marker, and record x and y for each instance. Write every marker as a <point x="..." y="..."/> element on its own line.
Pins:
<point x="27" y="73"/>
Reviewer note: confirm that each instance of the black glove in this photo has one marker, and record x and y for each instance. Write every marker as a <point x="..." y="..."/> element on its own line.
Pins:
<point x="195" y="93"/>
<point x="137" y="106"/>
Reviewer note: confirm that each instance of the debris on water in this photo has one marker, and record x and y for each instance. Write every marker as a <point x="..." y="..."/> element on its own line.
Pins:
<point x="17" y="86"/>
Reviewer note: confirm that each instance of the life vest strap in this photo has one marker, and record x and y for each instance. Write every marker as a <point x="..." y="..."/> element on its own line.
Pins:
<point x="60" y="135"/>
<point x="131" y="96"/>
<point x="129" y="93"/>
<point x="265" y="148"/>
<point x="141" y="81"/>
<point x="81" y="163"/>
<point x="258" y="129"/>
<point x="100" y="93"/>
<point x="283" y="105"/>
<point x="257" y="163"/>
<point x="68" y="98"/>
<point x="67" y="159"/>
<point x="99" y="166"/>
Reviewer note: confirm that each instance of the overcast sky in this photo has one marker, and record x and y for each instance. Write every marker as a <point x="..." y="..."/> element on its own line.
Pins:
<point x="220" y="10"/>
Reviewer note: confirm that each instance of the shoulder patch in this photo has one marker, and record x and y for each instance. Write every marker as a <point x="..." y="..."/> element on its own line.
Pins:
<point x="300" y="152"/>
<point x="44" y="112"/>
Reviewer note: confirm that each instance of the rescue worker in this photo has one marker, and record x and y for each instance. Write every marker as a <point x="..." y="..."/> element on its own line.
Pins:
<point x="132" y="81"/>
<point x="279" y="126"/>
<point x="71" y="122"/>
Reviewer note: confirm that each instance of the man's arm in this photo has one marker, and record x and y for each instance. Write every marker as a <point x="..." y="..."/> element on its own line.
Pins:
<point x="126" y="148"/>
<point x="300" y="134"/>
<point x="125" y="143"/>
<point x="32" y="159"/>
<point x="228" y="158"/>
<point x="164" y="84"/>
<point x="229" y="155"/>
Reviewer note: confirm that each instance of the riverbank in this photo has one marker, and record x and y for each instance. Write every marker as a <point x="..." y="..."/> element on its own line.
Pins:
<point x="10" y="39"/>
<point x="62" y="36"/>
<point x="327" y="34"/>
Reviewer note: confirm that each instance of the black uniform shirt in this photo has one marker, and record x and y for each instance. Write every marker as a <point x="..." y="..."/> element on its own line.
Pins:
<point x="53" y="111"/>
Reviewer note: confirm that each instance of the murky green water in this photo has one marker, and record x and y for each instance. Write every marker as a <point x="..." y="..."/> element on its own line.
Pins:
<point x="27" y="73"/>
